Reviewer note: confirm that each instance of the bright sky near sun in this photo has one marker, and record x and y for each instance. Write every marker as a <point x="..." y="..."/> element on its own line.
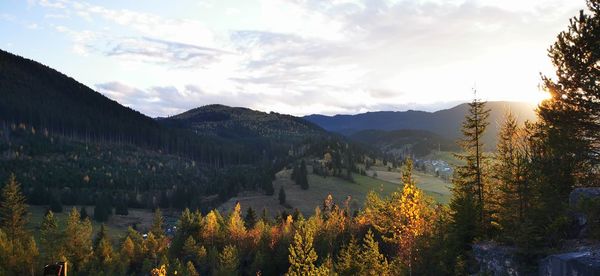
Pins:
<point x="292" y="56"/>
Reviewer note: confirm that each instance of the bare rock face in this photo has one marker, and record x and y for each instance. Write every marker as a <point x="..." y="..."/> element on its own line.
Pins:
<point x="584" y="262"/>
<point x="496" y="260"/>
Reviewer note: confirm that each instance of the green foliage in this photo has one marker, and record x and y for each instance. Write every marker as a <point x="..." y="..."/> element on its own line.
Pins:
<point x="302" y="256"/>
<point x="250" y="218"/>
<point x="77" y="241"/>
<point x="371" y="261"/>
<point x="13" y="210"/>
<point x="228" y="261"/>
<point x="347" y="261"/>
<point x="469" y="199"/>
<point x="50" y="238"/>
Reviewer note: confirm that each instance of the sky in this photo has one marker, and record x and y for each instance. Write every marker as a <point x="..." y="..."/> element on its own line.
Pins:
<point x="296" y="57"/>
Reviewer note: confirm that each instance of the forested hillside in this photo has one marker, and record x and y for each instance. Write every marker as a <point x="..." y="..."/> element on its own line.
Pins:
<point x="406" y="141"/>
<point x="445" y="123"/>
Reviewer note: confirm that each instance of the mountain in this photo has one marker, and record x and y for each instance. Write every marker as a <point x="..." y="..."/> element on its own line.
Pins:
<point x="405" y="141"/>
<point x="38" y="95"/>
<point x="43" y="98"/>
<point x="243" y="123"/>
<point x="68" y="142"/>
<point x="446" y="123"/>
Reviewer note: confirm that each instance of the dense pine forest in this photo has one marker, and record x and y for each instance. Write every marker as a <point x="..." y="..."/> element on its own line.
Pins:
<point x="62" y="143"/>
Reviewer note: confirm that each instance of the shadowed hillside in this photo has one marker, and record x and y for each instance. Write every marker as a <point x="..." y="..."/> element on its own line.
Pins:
<point x="446" y="123"/>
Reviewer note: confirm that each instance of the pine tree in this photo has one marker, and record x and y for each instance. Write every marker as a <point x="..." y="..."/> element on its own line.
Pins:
<point x="103" y="250"/>
<point x="250" y="219"/>
<point x="127" y="253"/>
<point x="372" y="262"/>
<point x="348" y="262"/>
<point x="303" y="176"/>
<point x="281" y="195"/>
<point x="468" y="193"/>
<point x="229" y="261"/>
<point x="511" y="173"/>
<point x="191" y="269"/>
<point x="566" y="141"/>
<point x="574" y="107"/>
<point x="78" y="242"/>
<point x="157" y="227"/>
<point x="50" y="238"/>
<point x="13" y="210"/>
<point x="302" y="255"/>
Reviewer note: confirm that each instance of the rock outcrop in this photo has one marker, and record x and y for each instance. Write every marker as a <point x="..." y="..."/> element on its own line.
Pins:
<point x="496" y="260"/>
<point x="583" y="262"/>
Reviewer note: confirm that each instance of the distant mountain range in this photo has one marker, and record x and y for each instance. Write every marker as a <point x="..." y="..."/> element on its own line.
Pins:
<point x="446" y="123"/>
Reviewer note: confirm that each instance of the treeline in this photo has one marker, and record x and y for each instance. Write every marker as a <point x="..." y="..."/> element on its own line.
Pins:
<point x="330" y="241"/>
<point x="57" y="171"/>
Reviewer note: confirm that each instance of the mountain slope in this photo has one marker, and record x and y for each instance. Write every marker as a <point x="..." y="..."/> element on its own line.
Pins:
<point x="43" y="97"/>
<point x="405" y="141"/>
<point x="446" y="123"/>
<point x="243" y="123"/>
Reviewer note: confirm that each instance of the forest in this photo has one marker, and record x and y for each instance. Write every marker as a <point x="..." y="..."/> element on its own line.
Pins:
<point x="517" y="195"/>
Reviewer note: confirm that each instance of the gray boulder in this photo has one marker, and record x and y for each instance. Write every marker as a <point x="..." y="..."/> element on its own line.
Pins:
<point x="584" y="262"/>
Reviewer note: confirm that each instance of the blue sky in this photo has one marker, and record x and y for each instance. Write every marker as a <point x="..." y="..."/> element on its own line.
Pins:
<point x="292" y="56"/>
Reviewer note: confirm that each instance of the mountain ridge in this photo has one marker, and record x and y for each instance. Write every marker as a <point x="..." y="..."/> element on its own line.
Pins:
<point x="445" y="122"/>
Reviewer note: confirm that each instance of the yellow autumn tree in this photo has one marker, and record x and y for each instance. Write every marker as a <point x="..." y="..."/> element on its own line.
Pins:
<point x="210" y="227"/>
<point x="235" y="224"/>
<point x="404" y="218"/>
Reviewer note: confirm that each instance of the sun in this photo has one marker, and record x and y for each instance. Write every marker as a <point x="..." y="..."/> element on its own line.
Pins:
<point x="537" y="97"/>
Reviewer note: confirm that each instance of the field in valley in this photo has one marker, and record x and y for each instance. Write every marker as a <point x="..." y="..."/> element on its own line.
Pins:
<point x="319" y="187"/>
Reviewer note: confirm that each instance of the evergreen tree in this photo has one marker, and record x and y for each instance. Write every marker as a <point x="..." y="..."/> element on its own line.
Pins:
<point x="574" y="108"/>
<point x="157" y="227"/>
<point x="348" y="262"/>
<point x="13" y="210"/>
<point x="103" y="251"/>
<point x="250" y="219"/>
<point x="511" y="173"/>
<point x="191" y="269"/>
<point x="77" y="241"/>
<point x="468" y="193"/>
<point x="302" y="255"/>
<point x="127" y="253"/>
<point x="50" y="238"/>
<point x="229" y="261"/>
<point x="103" y="209"/>
<point x="372" y="262"/>
<point x="281" y="195"/>
<point x="566" y="141"/>
<point x="303" y="176"/>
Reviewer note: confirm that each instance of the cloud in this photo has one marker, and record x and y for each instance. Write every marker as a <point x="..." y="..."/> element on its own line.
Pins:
<point x="171" y="54"/>
<point x="314" y="56"/>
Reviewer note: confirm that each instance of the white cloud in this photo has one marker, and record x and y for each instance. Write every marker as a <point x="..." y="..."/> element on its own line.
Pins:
<point x="314" y="56"/>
